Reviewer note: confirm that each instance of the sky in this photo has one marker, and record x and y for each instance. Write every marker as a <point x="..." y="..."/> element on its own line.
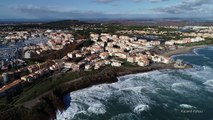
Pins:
<point x="102" y="9"/>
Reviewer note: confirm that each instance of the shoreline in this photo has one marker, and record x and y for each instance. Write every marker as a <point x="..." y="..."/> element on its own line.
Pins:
<point x="183" y="50"/>
<point x="52" y="100"/>
<point x="108" y="75"/>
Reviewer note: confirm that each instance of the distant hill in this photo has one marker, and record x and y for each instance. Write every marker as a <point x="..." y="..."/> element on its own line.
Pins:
<point x="65" y="23"/>
<point x="158" y="22"/>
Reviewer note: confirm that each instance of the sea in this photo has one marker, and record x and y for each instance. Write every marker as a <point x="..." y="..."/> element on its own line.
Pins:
<point x="156" y="95"/>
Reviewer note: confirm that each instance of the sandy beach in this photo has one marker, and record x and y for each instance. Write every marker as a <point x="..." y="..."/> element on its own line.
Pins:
<point x="181" y="50"/>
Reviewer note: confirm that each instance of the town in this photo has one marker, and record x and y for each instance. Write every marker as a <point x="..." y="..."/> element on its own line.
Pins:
<point x="106" y="60"/>
<point x="136" y="47"/>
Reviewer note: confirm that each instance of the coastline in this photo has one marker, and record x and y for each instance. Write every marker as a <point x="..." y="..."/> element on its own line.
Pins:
<point x="52" y="101"/>
<point x="46" y="105"/>
<point x="183" y="50"/>
<point x="183" y="83"/>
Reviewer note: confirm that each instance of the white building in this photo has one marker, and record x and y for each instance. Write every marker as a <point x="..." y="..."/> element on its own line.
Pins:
<point x="116" y="63"/>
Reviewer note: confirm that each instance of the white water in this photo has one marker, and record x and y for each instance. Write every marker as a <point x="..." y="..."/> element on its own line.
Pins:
<point x="138" y="94"/>
<point x="209" y="83"/>
<point x="134" y="91"/>
<point x="187" y="106"/>
<point x="141" y="108"/>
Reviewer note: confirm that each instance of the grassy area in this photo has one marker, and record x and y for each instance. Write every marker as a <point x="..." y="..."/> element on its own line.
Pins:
<point x="43" y="86"/>
<point x="3" y="100"/>
<point x="126" y="64"/>
<point x="49" y="84"/>
<point x="129" y="65"/>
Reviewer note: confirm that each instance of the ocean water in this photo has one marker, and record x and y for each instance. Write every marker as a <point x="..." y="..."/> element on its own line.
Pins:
<point x="157" y="95"/>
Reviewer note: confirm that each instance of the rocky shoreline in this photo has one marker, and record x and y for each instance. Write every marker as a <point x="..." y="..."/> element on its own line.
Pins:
<point x="45" y="106"/>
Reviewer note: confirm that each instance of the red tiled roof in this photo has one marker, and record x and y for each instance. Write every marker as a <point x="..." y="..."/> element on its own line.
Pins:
<point x="6" y="87"/>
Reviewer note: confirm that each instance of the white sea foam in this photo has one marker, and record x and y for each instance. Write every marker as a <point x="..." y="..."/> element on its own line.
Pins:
<point x="138" y="109"/>
<point x="195" y="51"/>
<point x="134" y="89"/>
<point x="207" y="58"/>
<point x="185" y="87"/>
<point x="127" y="116"/>
<point x="187" y="106"/>
<point x="209" y="83"/>
<point x="201" y="73"/>
<point x="97" y="109"/>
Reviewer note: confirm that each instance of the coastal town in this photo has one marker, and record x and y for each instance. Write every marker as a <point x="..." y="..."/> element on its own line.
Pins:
<point x="106" y="60"/>
<point x="136" y="47"/>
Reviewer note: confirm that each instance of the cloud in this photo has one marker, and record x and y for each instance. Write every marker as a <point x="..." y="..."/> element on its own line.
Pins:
<point x="197" y="8"/>
<point x="186" y="6"/>
<point x="37" y="12"/>
<point x="52" y="12"/>
<point x="105" y="1"/>
<point x="110" y="1"/>
<point x="152" y="1"/>
<point x="157" y="0"/>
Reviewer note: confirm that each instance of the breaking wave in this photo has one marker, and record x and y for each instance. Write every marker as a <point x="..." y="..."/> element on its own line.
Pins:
<point x="209" y="83"/>
<point x="143" y="95"/>
<point x="138" y="109"/>
<point x="186" y="106"/>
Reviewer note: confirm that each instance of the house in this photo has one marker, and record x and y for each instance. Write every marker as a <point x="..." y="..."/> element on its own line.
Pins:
<point x="88" y="67"/>
<point x="104" y="55"/>
<point x="57" y="66"/>
<point x="27" y="54"/>
<point x="102" y="44"/>
<point x="75" y="67"/>
<point x="91" y="57"/>
<point x="94" y="37"/>
<point x="156" y="58"/>
<point x="78" y="55"/>
<point x="124" y="37"/>
<point x="73" y="54"/>
<point x="114" y="37"/>
<point x="27" y="78"/>
<point x="68" y="65"/>
<point x="197" y="39"/>
<point x="140" y="56"/>
<point x="33" y="68"/>
<point x="116" y="63"/>
<point x="122" y="55"/>
<point x="131" y="59"/>
<point x="166" y="60"/>
<point x="70" y="55"/>
<point x="112" y="50"/>
<point x="171" y="42"/>
<point x="143" y="62"/>
<point x="107" y="62"/>
<point x="99" y="64"/>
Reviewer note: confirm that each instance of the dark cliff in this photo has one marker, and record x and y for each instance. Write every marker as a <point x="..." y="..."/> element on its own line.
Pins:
<point x="46" y="106"/>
